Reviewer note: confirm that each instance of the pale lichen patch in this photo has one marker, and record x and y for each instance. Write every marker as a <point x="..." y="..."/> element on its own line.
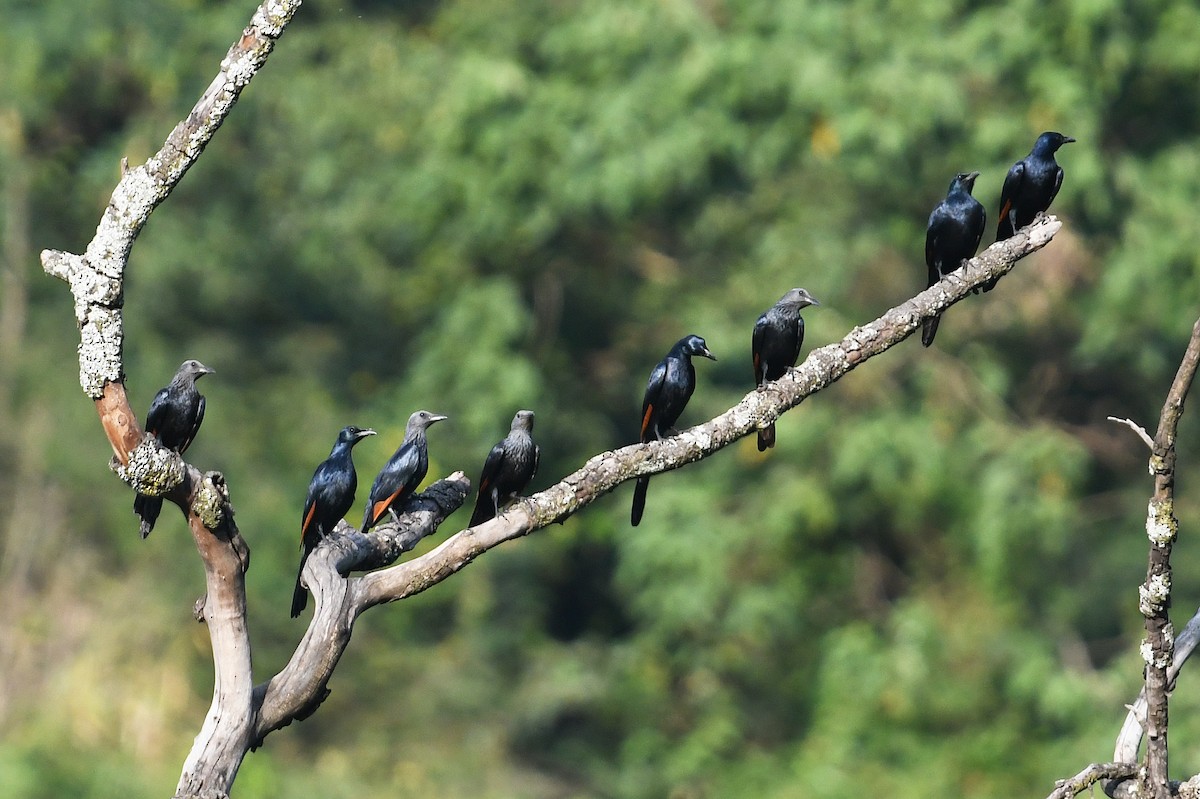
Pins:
<point x="151" y="470"/>
<point x="1161" y="527"/>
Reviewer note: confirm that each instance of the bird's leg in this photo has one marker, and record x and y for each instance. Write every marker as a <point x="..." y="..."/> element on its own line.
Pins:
<point x="394" y="515"/>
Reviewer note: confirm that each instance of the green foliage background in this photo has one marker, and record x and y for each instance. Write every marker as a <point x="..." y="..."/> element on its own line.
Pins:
<point x="927" y="590"/>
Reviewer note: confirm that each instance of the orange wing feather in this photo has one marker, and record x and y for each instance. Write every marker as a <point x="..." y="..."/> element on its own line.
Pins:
<point x="380" y="507"/>
<point x="646" y="419"/>
<point x="307" y="521"/>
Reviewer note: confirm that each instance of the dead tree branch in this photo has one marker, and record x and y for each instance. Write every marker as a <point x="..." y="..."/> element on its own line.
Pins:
<point x="1148" y="715"/>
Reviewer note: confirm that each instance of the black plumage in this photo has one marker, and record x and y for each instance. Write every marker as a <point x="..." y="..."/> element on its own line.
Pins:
<point x="174" y="419"/>
<point x="330" y="495"/>
<point x="1030" y="186"/>
<point x="667" y="393"/>
<point x="775" y="345"/>
<point x="405" y="470"/>
<point x="508" y="469"/>
<point x="952" y="237"/>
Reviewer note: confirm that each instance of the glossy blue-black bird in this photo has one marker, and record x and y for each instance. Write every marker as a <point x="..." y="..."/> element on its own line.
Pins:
<point x="1029" y="188"/>
<point x="775" y="345"/>
<point x="403" y="472"/>
<point x="508" y="469"/>
<point x="667" y="393"/>
<point x="330" y="495"/>
<point x="174" y="419"/>
<point x="952" y="237"/>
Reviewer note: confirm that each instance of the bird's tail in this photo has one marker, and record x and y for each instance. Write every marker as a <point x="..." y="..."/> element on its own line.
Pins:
<point x="929" y="329"/>
<point x="485" y="510"/>
<point x="639" y="500"/>
<point x="766" y="437"/>
<point x="147" y="509"/>
<point x="299" y="596"/>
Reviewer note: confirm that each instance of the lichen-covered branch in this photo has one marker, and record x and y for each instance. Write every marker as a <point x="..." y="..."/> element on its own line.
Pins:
<point x="1129" y="740"/>
<point x="1162" y="527"/>
<point x="97" y="279"/>
<point x="97" y="276"/>
<point x="1094" y="773"/>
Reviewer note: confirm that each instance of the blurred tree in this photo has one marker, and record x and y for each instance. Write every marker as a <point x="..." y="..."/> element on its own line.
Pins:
<point x="580" y="185"/>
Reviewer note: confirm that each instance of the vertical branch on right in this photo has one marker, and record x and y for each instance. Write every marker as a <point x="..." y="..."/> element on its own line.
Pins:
<point x="1155" y="594"/>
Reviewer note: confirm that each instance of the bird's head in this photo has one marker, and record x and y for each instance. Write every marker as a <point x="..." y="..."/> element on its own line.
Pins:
<point x="352" y="435"/>
<point x="523" y="421"/>
<point x="964" y="181"/>
<point x="798" y="298"/>
<point x="423" y="419"/>
<point x="1049" y="142"/>
<point x="193" y="370"/>
<point x="694" y="345"/>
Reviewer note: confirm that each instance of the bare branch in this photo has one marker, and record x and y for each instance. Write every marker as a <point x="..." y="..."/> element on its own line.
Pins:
<point x="97" y="277"/>
<point x="1137" y="428"/>
<point x="1129" y="740"/>
<point x="300" y="688"/>
<point x="1162" y="528"/>
<point x="604" y="472"/>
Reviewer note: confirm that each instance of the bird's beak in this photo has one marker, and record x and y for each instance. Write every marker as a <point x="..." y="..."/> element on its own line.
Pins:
<point x="1068" y="139"/>
<point x="972" y="175"/>
<point x="813" y="300"/>
<point x="708" y="354"/>
<point x="366" y="432"/>
<point x="437" y="418"/>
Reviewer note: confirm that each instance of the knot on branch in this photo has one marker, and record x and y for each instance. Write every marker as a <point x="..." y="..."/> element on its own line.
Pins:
<point x="210" y="500"/>
<point x="152" y="470"/>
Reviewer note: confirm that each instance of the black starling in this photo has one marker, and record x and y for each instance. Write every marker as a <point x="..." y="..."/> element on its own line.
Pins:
<point x="174" y="418"/>
<point x="667" y="393"/>
<point x="1029" y="187"/>
<point x="955" y="229"/>
<point x="330" y="495"/>
<point x="775" y="345"/>
<point x="403" y="472"/>
<point x="508" y="469"/>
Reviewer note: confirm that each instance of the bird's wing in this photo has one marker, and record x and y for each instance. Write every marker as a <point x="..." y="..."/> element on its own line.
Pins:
<point x="1008" y="193"/>
<point x="654" y="388"/>
<point x="537" y="460"/>
<point x="191" y="435"/>
<point x="1058" y="178"/>
<point x="392" y="481"/>
<point x="980" y="224"/>
<point x="932" y="239"/>
<point x="491" y="466"/>
<point x="756" y="345"/>
<point x="310" y="510"/>
<point x="157" y="415"/>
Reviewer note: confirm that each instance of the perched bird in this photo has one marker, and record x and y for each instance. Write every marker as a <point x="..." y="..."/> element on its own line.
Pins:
<point x="775" y="345"/>
<point x="508" y="469"/>
<point x="1029" y="187"/>
<point x="667" y="393"/>
<point x="330" y="495"/>
<point x="174" y="418"/>
<point x="955" y="230"/>
<point x="404" y="472"/>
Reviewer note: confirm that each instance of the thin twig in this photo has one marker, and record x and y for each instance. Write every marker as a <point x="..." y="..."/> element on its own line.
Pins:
<point x="1137" y="428"/>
